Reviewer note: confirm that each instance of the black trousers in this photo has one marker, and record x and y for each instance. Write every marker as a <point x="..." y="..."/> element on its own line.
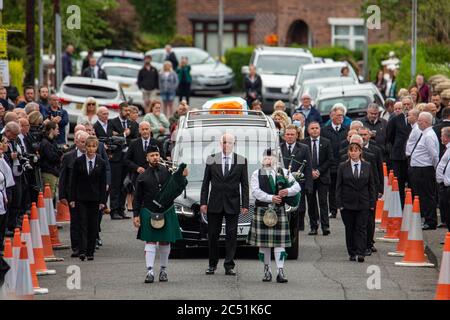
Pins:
<point x="332" y="192"/>
<point x="423" y="180"/>
<point x="301" y="211"/>
<point x="355" y="231"/>
<point x="75" y="233"/>
<point x="88" y="212"/>
<point x="117" y="195"/>
<point x="370" y="229"/>
<point x="214" y="229"/>
<point x="400" y="168"/>
<point x="443" y="202"/>
<point x="320" y="191"/>
<point x="3" y="222"/>
<point x="15" y="212"/>
<point x="184" y="91"/>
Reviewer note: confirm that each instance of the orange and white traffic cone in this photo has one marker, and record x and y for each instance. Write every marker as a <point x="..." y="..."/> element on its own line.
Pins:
<point x="62" y="213"/>
<point x="51" y="219"/>
<point x="414" y="253"/>
<point x="36" y="239"/>
<point x="24" y="283"/>
<point x="26" y="237"/>
<point x="406" y="225"/>
<point x="394" y="221"/>
<point x="443" y="287"/>
<point x="387" y="203"/>
<point x="380" y="202"/>
<point x="11" y="275"/>
<point x="45" y="233"/>
<point x="17" y="243"/>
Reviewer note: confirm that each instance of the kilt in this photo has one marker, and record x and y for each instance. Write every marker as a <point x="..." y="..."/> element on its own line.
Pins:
<point x="169" y="233"/>
<point x="261" y="235"/>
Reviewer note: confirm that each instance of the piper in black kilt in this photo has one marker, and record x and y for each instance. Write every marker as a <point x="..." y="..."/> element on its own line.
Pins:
<point x="271" y="188"/>
<point x="154" y="213"/>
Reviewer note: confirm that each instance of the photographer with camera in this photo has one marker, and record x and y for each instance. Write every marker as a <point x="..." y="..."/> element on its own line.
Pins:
<point x="51" y="156"/>
<point x="6" y="183"/>
<point x="59" y="116"/>
<point x="29" y="161"/>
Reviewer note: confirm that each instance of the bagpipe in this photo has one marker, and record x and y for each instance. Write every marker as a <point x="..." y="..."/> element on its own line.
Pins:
<point x="298" y="175"/>
<point x="282" y="182"/>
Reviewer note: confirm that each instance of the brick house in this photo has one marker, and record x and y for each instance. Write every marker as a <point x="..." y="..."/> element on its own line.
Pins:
<point x="247" y="22"/>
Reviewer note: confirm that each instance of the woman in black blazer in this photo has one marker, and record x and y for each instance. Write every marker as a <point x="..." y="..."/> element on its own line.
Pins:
<point x="355" y="197"/>
<point x="252" y="86"/>
<point x="88" y="195"/>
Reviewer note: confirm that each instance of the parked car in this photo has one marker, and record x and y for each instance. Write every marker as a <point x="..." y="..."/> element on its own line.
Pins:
<point x="74" y="91"/>
<point x="254" y="131"/>
<point x="126" y="76"/>
<point x="207" y="73"/>
<point x="319" y="71"/>
<point x="355" y="98"/>
<point x="123" y="56"/>
<point x="277" y="67"/>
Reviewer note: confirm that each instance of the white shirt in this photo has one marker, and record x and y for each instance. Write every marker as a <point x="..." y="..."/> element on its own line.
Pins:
<point x="79" y="153"/>
<point x="104" y="125"/>
<point x="22" y="141"/>
<point x="353" y="167"/>
<point x="230" y="161"/>
<point x="336" y="126"/>
<point x="317" y="147"/>
<point x="6" y="181"/>
<point x="444" y="164"/>
<point x="93" y="163"/>
<point x="292" y="146"/>
<point x="412" y="139"/>
<point x="265" y="197"/>
<point x="426" y="153"/>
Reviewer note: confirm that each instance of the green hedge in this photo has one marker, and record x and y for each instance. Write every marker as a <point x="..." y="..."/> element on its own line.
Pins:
<point x="235" y="58"/>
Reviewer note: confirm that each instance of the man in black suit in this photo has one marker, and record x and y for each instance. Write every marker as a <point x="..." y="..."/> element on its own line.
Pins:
<point x="226" y="172"/>
<point x="102" y="127"/>
<point x="336" y="132"/>
<point x="377" y="127"/>
<point x="371" y="146"/>
<point x="121" y="126"/>
<point x="298" y="152"/>
<point x="170" y="56"/>
<point x="94" y="71"/>
<point x="321" y="157"/>
<point x="397" y="134"/>
<point x="445" y="117"/>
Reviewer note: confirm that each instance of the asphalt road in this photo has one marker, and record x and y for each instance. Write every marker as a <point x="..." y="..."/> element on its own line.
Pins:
<point x="322" y="271"/>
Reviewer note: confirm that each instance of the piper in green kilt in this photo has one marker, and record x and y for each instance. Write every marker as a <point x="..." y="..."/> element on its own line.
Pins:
<point x="154" y="213"/>
<point x="271" y="189"/>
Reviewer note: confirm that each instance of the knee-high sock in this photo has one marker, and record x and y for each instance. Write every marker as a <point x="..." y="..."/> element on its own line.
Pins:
<point x="150" y="254"/>
<point x="264" y="255"/>
<point x="164" y="252"/>
<point x="280" y="255"/>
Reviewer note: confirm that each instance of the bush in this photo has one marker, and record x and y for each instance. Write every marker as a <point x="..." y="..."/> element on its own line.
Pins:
<point x="16" y="74"/>
<point x="154" y="41"/>
<point x="235" y="58"/>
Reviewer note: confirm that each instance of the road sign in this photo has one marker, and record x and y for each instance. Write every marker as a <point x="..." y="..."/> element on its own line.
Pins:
<point x="3" y="43"/>
<point x="4" y="73"/>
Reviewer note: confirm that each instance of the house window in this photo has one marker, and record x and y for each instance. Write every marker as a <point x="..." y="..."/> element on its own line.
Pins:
<point x="348" y="33"/>
<point x="235" y="34"/>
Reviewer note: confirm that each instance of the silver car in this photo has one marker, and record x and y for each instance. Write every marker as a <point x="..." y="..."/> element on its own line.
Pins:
<point x="207" y="73"/>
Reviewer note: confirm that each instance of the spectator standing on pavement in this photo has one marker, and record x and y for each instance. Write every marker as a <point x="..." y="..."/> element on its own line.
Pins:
<point x="6" y="182"/>
<point x="102" y="127"/>
<point x="436" y="99"/>
<point x="168" y="84"/>
<point x="170" y="56"/>
<point x="423" y="88"/>
<point x="182" y="110"/>
<point x="67" y="61"/>
<point x="88" y="112"/>
<point x="424" y="160"/>
<point x="377" y="126"/>
<point x="148" y="81"/>
<point x="134" y="114"/>
<point x="256" y="105"/>
<point x="44" y="101"/>
<point x="432" y="108"/>
<point x="184" y="80"/>
<point x="380" y="83"/>
<point x="93" y="71"/>
<point x="414" y="94"/>
<point x="158" y="121"/>
<point x="310" y="113"/>
<point x="86" y="60"/>
<point x="443" y="177"/>
<point x="60" y="116"/>
<point x="252" y="86"/>
<point x="4" y="100"/>
<point x="388" y="111"/>
<point x="298" y="120"/>
<point x="29" y="95"/>
<point x="445" y="117"/>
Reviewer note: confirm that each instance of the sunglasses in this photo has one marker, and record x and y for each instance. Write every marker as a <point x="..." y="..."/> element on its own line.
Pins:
<point x="91" y="104"/>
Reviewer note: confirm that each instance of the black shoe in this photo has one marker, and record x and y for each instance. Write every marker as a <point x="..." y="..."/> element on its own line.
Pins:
<point x="312" y="233"/>
<point x="368" y="252"/>
<point x="332" y="215"/>
<point x="124" y="216"/>
<point x="442" y="242"/>
<point x="281" y="278"/>
<point x="82" y="257"/>
<point x="360" y="258"/>
<point x="352" y="258"/>
<point x="230" y="272"/>
<point x="149" y="278"/>
<point x="115" y="216"/>
<point x="90" y="258"/>
<point x="99" y="242"/>
<point x="97" y="247"/>
<point x="210" y="270"/>
<point x="428" y="227"/>
<point x="373" y="249"/>
<point x="75" y="254"/>
<point x="326" y="232"/>
<point x="301" y="228"/>
<point x="9" y="234"/>
<point x="267" y="274"/>
<point x="163" y="276"/>
<point x="442" y="225"/>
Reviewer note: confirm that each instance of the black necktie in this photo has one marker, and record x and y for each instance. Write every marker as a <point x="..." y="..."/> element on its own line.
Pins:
<point x="445" y="168"/>
<point x="226" y="167"/>
<point x="90" y="167"/>
<point x="145" y="145"/>
<point x="290" y="149"/>
<point x="124" y="124"/>
<point x="355" y="172"/>
<point x="337" y="129"/>
<point x="314" y="154"/>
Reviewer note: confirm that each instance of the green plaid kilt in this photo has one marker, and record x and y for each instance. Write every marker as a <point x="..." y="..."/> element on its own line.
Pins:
<point x="262" y="236"/>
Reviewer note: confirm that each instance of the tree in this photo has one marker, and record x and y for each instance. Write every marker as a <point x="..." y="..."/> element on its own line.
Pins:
<point x="157" y="16"/>
<point x="126" y="26"/>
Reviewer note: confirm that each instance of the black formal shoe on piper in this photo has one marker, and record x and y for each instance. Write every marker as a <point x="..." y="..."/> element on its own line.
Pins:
<point x="352" y="258"/>
<point x="360" y="258"/>
<point x="230" y="272"/>
<point x="75" y="254"/>
<point x="90" y="258"/>
<point x="326" y="232"/>
<point x="82" y="257"/>
<point x="281" y="278"/>
<point x="149" y="278"/>
<point x="368" y="252"/>
<point x="210" y="270"/>
<point x="267" y="274"/>
<point x="312" y="233"/>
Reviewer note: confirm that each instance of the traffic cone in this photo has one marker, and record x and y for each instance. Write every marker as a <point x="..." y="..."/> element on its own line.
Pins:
<point x="26" y="237"/>
<point x="380" y="202"/>
<point x="406" y="224"/>
<point x="62" y="213"/>
<point x="387" y="203"/>
<point x="17" y="243"/>
<point x="443" y="288"/>
<point x="394" y="220"/>
<point x="11" y="275"/>
<point x="45" y="233"/>
<point x="24" y="283"/>
<point x="414" y="253"/>
<point x="51" y="218"/>
<point x="36" y="239"/>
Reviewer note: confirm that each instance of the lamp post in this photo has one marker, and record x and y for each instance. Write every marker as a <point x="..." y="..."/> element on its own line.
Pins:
<point x="220" y="32"/>
<point x="58" y="46"/>
<point x="414" y="40"/>
<point x="41" y="42"/>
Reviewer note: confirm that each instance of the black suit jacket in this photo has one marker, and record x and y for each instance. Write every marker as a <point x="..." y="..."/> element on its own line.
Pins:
<point x="325" y="158"/>
<point x="300" y="153"/>
<point x="116" y="126"/>
<point x="100" y="132"/>
<point x="335" y="138"/>
<point x="101" y="74"/>
<point x="378" y="153"/>
<point x="136" y="156"/>
<point x="172" y="58"/>
<point x="64" y="183"/>
<point x="437" y="129"/>
<point x="88" y="187"/>
<point x="355" y="194"/>
<point x="397" y="134"/>
<point x="224" y="195"/>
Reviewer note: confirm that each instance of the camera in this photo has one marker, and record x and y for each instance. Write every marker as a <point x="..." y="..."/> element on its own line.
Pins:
<point x="113" y="143"/>
<point x="27" y="161"/>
